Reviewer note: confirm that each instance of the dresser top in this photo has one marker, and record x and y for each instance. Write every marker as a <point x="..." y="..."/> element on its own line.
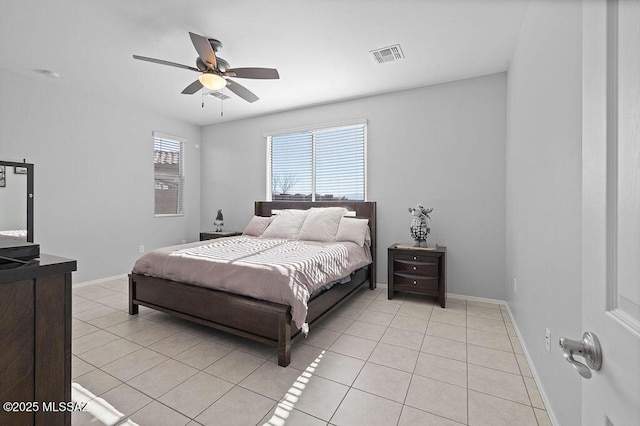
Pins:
<point x="44" y="266"/>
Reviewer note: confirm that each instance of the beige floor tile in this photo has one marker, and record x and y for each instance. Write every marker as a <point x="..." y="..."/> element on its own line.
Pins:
<point x="483" y="305"/>
<point x="90" y="341"/>
<point x="416" y="311"/>
<point x="333" y="322"/>
<point x="489" y="340"/>
<point x="85" y="418"/>
<point x="97" y="382"/>
<point x="494" y="326"/>
<point x="119" y="285"/>
<point x="194" y="395"/>
<point x="515" y="343"/>
<point x="320" y="337"/>
<point x="128" y="328"/>
<point x="235" y="366"/>
<point x="162" y="378"/>
<point x="302" y="356"/>
<point x="413" y="417"/>
<point x="157" y="414"/>
<point x="493" y="314"/>
<point x="80" y="304"/>
<point x="176" y="343"/>
<point x="383" y="381"/>
<point x="486" y="410"/>
<point x="226" y="339"/>
<point x="366" y="330"/>
<point x="395" y="357"/>
<point x="356" y="302"/>
<point x="403" y="338"/>
<point x="375" y="317"/>
<point x="417" y="325"/>
<point x="284" y="414"/>
<point x="438" y="398"/>
<point x="353" y="346"/>
<point x="385" y="307"/>
<point x="94" y="313"/>
<point x="420" y="299"/>
<point x="81" y="328"/>
<point x="133" y="364"/>
<point x="534" y="393"/>
<point x="271" y="380"/>
<point x="157" y="316"/>
<point x="152" y="334"/>
<point x="80" y="367"/>
<point x="543" y="417"/>
<point x="361" y="408"/>
<point x="339" y="368"/>
<point x="348" y="312"/>
<point x="126" y="399"/>
<point x="443" y="369"/>
<point x="118" y="301"/>
<point x="447" y="331"/>
<point x="231" y="409"/>
<point x="444" y="347"/>
<point x="497" y="383"/>
<point x="524" y="365"/>
<point x="93" y="292"/>
<point x="111" y="319"/>
<point x="203" y="354"/>
<point x="110" y="352"/>
<point x="511" y="331"/>
<point x="492" y="358"/>
<point x="316" y="396"/>
<point x="257" y="349"/>
<point x="450" y="317"/>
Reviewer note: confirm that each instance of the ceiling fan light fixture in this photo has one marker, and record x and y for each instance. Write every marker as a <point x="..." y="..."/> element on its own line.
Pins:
<point x="212" y="81"/>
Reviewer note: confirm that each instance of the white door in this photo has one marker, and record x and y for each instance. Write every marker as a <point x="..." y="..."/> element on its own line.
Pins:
<point x="611" y="208"/>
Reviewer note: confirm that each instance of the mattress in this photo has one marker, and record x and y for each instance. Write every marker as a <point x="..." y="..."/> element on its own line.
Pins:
<point x="277" y="270"/>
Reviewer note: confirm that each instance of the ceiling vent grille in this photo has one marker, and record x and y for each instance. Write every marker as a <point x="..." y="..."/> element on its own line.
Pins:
<point x="387" y="54"/>
<point x="218" y="95"/>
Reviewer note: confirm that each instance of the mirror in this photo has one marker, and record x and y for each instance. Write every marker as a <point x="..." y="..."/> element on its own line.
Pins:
<point x="16" y="201"/>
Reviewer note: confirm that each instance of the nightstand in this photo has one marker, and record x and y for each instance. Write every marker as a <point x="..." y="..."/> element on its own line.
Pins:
<point x="418" y="270"/>
<point x="212" y="235"/>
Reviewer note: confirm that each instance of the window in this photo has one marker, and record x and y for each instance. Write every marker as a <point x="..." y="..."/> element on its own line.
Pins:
<point x="318" y="165"/>
<point x="168" y="169"/>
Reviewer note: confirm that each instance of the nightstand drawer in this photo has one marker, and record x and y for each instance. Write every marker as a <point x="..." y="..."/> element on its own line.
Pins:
<point x="418" y="268"/>
<point x="410" y="282"/>
<point x="415" y="258"/>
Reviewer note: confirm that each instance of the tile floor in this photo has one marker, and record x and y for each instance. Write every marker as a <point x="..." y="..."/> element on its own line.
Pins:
<point x="370" y="362"/>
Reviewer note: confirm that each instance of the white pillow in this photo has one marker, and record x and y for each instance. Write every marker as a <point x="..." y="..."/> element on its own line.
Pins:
<point x="321" y="223"/>
<point x="256" y="226"/>
<point x="286" y="224"/>
<point x="353" y="229"/>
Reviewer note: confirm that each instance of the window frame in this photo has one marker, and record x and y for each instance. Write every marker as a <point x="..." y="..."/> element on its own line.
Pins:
<point x="313" y="130"/>
<point x="181" y="176"/>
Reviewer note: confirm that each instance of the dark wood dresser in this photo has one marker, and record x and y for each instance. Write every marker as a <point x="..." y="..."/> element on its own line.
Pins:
<point x="418" y="270"/>
<point x="35" y="336"/>
<point x="212" y="235"/>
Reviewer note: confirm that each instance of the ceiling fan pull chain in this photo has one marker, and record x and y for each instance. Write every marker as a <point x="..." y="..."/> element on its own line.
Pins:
<point x="202" y="94"/>
<point x="221" y="106"/>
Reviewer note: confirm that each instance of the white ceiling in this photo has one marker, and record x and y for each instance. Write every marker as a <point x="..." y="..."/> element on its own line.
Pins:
<point x="321" y="48"/>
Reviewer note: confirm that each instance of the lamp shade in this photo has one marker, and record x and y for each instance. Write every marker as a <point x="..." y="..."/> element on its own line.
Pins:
<point x="212" y="81"/>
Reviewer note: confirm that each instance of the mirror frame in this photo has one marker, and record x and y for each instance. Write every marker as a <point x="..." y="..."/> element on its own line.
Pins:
<point x="29" y="194"/>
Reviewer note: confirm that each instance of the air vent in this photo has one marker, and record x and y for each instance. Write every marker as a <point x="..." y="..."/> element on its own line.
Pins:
<point x="218" y="95"/>
<point x="388" y="54"/>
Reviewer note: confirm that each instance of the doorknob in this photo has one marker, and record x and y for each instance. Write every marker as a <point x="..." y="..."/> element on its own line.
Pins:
<point x="588" y="348"/>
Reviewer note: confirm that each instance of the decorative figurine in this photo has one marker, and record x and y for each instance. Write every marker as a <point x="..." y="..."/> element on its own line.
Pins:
<point x="219" y="221"/>
<point x="419" y="226"/>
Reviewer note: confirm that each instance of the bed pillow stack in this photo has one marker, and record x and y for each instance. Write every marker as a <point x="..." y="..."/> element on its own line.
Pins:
<point x="354" y="229"/>
<point x="286" y="224"/>
<point x="256" y="226"/>
<point x="321" y="223"/>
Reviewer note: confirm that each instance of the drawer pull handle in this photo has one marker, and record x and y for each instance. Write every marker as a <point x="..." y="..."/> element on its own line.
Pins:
<point x="415" y="282"/>
<point x="415" y="258"/>
<point x="414" y="268"/>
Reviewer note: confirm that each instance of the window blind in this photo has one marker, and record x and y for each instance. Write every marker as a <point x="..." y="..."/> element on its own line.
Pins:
<point x="318" y="165"/>
<point x="168" y="168"/>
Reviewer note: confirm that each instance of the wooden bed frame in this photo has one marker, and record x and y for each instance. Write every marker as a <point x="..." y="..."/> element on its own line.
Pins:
<point x="259" y="320"/>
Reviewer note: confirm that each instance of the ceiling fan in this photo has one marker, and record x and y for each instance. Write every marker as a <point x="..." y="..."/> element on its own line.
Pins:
<point x="215" y="71"/>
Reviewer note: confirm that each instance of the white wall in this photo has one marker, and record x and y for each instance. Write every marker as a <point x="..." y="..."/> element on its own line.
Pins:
<point x="543" y="193"/>
<point x="442" y="145"/>
<point x="93" y="160"/>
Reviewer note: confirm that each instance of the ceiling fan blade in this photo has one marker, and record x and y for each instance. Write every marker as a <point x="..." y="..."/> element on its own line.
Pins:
<point x="204" y="49"/>
<point x="192" y="88"/>
<point x="162" y="62"/>
<point x="261" y="73"/>
<point x="241" y="91"/>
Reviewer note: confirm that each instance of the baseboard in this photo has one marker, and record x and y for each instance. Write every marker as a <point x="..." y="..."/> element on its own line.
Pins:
<point x="476" y="299"/>
<point x="543" y="394"/>
<point x="99" y="280"/>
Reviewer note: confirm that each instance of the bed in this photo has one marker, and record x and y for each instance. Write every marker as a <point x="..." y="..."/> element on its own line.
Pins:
<point x="260" y="320"/>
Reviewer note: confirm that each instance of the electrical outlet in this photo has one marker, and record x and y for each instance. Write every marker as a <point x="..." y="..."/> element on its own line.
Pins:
<point x="141" y="249"/>
<point x="515" y="285"/>
<point x="547" y="340"/>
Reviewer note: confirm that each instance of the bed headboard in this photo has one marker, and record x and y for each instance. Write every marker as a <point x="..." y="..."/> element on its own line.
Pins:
<point x="363" y="209"/>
